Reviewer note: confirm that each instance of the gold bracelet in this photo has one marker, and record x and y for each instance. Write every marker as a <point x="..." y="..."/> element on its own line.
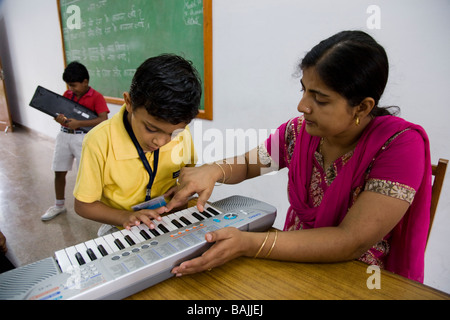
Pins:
<point x="273" y="244"/>
<point x="223" y="171"/>
<point x="262" y="246"/>
<point x="231" y="170"/>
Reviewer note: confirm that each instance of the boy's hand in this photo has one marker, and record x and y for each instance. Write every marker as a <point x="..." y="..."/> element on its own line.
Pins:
<point x="61" y="119"/>
<point x="144" y="216"/>
<point x="73" y="123"/>
<point x="68" y="122"/>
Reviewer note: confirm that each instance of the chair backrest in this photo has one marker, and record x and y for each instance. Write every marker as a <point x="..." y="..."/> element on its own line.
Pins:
<point x="438" y="171"/>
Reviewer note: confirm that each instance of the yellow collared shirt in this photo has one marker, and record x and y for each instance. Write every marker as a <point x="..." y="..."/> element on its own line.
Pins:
<point x="111" y="171"/>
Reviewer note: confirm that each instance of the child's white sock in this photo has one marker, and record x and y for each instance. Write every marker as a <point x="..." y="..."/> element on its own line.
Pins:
<point x="59" y="203"/>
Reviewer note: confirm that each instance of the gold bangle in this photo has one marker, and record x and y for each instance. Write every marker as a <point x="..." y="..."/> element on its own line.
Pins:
<point x="223" y="171"/>
<point x="273" y="244"/>
<point x="231" y="170"/>
<point x="262" y="246"/>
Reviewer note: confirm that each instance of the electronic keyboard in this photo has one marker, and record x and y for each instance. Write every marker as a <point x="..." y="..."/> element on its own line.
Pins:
<point x="53" y="104"/>
<point x="122" y="263"/>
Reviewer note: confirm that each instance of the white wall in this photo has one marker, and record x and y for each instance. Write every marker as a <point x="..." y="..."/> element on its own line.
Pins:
<point x="257" y="45"/>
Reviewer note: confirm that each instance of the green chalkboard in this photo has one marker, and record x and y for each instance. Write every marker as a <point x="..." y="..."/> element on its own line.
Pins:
<point x="113" y="37"/>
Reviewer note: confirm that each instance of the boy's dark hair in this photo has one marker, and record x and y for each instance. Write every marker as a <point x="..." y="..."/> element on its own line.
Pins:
<point x="75" y="72"/>
<point x="169" y="88"/>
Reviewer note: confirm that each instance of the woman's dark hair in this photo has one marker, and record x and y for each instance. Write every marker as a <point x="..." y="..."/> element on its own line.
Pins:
<point x="169" y="88"/>
<point x="354" y="65"/>
<point x="75" y="72"/>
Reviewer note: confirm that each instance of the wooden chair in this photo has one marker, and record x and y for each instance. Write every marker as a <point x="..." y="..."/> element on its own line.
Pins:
<point x="438" y="171"/>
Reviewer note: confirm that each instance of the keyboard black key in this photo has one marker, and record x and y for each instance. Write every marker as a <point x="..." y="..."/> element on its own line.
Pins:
<point x="185" y="221"/>
<point x="129" y="240"/>
<point x="102" y="250"/>
<point x="199" y="217"/>
<point x="206" y="214"/>
<point x="119" y="244"/>
<point x="144" y="234"/>
<point x="176" y="223"/>
<point x="80" y="258"/>
<point x="163" y="229"/>
<point x="91" y="254"/>
<point x="213" y="211"/>
<point x="155" y="232"/>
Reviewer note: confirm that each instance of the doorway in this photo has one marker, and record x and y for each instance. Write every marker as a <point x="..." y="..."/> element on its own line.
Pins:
<point x="5" y="115"/>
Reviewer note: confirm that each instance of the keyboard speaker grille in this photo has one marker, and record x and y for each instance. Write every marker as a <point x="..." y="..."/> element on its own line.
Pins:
<point x="15" y="284"/>
<point x="234" y="202"/>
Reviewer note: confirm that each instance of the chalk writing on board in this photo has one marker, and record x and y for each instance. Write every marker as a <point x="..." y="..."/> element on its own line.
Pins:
<point x="112" y="52"/>
<point x="113" y="37"/>
<point x="193" y="11"/>
<point x="106" y="24"/>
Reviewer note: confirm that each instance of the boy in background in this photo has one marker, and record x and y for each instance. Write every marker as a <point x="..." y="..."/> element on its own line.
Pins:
<point x="137" y="155"/>
<point x="69" y="140"/>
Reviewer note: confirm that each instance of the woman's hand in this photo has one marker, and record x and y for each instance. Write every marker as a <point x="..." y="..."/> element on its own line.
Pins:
<point x="230" y="243"/>
<point x="193" y="180"/>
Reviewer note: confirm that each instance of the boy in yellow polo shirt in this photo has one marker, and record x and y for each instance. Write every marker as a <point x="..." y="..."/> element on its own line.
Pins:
<point x="138" y="153"/>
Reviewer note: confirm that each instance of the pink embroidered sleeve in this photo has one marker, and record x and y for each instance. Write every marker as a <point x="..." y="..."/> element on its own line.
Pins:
<point x="275" y="146"/>
<point x="398" y="169"/>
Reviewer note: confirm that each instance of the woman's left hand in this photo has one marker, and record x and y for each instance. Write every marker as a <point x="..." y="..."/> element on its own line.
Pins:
<point x="230" y="243"/>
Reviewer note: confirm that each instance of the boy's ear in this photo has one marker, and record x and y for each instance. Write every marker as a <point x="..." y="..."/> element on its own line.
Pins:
<point x="127" y="99"/>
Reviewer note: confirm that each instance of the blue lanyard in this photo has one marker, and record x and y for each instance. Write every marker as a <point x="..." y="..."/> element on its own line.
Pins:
<point x="152" y="174"/>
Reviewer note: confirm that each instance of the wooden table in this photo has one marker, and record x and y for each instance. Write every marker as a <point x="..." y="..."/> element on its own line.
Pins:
<point x="259" y="279"/>
<point x="255" y="279"/>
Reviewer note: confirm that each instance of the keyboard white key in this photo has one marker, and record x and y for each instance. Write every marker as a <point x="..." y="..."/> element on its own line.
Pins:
<point x="93" y="246"/>
<point x="121" y="243"/>
<point x="128" y="233"/>
<point x="147" y="233"/>
<point x="102" y="242"/>
<point x="169" y="225"/>
<point x="110" y="241"/>
<point x="82" y="250"/>
<point x="63" y="260"/>
<point x="185" y="215"/>
<point x="71" y="253"/>
<point x="190" y="217"/>
<point x="136" y="232"/>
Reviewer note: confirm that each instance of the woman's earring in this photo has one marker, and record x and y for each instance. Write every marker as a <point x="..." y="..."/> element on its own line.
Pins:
<point x="357" y="121"/>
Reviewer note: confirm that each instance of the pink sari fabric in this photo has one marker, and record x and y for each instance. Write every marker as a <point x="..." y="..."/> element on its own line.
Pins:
<point x="408" y="238"/>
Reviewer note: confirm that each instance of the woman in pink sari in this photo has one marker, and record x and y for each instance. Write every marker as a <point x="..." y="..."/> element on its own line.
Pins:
<point x="359" y="178"/>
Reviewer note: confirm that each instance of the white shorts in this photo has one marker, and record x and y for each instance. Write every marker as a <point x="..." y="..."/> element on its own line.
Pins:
<point x="67" y="148"/>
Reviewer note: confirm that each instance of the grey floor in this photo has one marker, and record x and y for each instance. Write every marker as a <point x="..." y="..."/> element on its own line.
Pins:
<point x="27" y="191"/>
